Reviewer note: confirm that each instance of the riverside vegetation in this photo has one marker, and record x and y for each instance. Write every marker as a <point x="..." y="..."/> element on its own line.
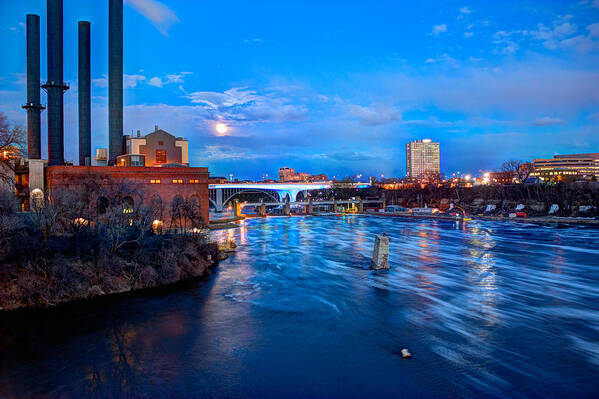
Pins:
<point x="71" y="247"/>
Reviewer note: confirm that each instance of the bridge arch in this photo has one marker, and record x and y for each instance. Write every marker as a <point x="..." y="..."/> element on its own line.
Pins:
<point x="273" y="194"/>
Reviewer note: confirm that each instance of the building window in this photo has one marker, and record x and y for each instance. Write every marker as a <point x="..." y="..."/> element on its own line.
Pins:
<point x="194" y="181"/>
<point x="154" y="181"/>
<point x="177" y="181"/>
<point x="161" y="143"/>
<point x="160" y="156"/>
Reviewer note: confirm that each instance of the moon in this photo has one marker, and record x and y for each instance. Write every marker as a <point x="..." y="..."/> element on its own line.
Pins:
<point x="221" y="128"/>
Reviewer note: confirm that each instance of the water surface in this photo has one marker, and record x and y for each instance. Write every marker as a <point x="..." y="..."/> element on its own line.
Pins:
<point x="487" y="309"/>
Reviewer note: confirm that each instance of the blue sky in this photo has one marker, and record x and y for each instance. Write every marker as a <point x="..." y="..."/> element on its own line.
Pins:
<point x="335" y="87"/>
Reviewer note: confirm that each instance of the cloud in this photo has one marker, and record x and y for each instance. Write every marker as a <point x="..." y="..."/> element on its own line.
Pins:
<point x="222" y="152"/>
<point x="253" y="40"/>
<point x="350" y="156"/>
<point x="375" y="114"/>
<point x="548" y="121"/>
<point x="128" y="81"/>
<point x="243" y="104"/>
<point x="505" y="44"/>
<point x="465" y="10"/>
<point x="132" y="80"/>
<point x="438" y="29"/>
<point x="100" y="82"/>
<point x="468" y="35"/>
<point x="551" y="37"/>
<point x="155" y="81"/>
<point x="159" y="14"/>
<point x="528" y="89"/>
<point x="443" y="58"/>
<point x="560" y="36"/>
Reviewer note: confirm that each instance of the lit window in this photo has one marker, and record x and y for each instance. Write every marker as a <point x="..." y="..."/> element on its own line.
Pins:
<point x="194" y="181"/>
<point x="155" y="181"/>
<point x="160" y="156"/>
<point x="177" y="181"/>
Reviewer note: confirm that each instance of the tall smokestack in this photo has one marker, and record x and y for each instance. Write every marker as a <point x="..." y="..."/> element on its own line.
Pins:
<point x="33" y="106"/>
<point x="55" y="86"/>
<point x="115" y="79"/>
<point x="85" y="124"/>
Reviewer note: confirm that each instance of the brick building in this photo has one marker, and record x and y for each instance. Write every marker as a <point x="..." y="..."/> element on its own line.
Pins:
<point x="166" y="183"/>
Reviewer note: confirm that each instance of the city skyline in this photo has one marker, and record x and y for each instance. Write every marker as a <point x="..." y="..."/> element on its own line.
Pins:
<point x="345" y="94"/>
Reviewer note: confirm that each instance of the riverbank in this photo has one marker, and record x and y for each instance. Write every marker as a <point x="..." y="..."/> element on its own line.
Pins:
<point x="59" y="278"/>
<point x="543" y="220"/>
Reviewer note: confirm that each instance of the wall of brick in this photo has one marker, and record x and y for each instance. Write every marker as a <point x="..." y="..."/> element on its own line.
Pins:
<point x="138" y="178"/>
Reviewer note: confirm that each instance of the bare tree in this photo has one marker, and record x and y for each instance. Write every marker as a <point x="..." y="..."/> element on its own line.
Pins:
<point x="519" y="169"/>
<point x="125" y="219"/>
<point x="12" y="142"/>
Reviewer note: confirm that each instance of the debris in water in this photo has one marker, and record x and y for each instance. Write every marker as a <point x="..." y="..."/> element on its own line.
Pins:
<point x="405" y="354"/>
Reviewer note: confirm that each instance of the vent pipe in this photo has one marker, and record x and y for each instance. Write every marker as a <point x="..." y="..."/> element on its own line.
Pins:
<point x="54" y="86"/>
<point x="33" y="106"/>
<point x="115" y="79"/>
<point x="84" y="74"/>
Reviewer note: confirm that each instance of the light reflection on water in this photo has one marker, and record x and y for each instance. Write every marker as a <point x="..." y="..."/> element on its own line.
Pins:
<point x="487" y="309"/>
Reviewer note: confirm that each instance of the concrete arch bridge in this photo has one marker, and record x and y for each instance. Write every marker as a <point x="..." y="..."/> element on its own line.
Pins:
<point x="220" y="194"/>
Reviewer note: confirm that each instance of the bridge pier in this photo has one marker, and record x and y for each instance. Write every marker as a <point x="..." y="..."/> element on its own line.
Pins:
<point x="262" y="209"/>
<point x="360" y="205"/>
<point x="310" y="209"/>
<point x="219" y="200"/>
<point x="236" y="207"/>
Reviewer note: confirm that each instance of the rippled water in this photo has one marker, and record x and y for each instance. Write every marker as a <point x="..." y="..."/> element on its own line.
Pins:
<point x="487" y="309"/>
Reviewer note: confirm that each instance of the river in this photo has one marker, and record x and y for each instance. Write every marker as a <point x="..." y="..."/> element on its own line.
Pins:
<point x="489" y="309"/>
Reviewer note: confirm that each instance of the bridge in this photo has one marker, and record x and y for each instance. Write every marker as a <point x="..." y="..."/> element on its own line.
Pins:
<point x="220" y="194"/>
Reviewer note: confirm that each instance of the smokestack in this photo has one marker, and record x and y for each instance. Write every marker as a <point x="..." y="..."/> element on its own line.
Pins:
<point x="85" y="124"/>
<point x="115" y="79"/>
<point x="55" y="87"/>
<point x="33" y="106"/>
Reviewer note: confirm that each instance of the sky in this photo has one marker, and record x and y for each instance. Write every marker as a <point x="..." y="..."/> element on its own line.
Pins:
<point x="335" y="87"/>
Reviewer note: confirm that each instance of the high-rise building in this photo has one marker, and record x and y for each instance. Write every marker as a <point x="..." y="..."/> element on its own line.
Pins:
<point x="422" y="159"/>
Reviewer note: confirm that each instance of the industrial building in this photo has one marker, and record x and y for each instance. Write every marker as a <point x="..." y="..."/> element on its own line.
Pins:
<point x="423" y="159"/>
<point x="130" y="160"/>
<point x="158" y="148"/>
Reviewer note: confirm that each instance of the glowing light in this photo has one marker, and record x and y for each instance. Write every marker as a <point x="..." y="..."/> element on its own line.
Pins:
<point x="221" y="128"/>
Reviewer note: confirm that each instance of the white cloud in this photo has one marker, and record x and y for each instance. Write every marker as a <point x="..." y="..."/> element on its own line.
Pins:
<point x="505" y="43"/>
<point x="132" y="80"/>
<point x="155" y="81"/>
<point x="100" y="82"/>
<point x="468" y="35"/>
<point x="375" y="114"/>
<point x="443" y="58"/>
<point x="528" y="89"/>
<point x="128" y="81"/>
<point x="174" y="78"/>
<point x="253" y="40"/>
<point x="159" y="14"/>
<point x="438" y="29"/>
<point x="465" y="10"/>
<point x="548" y="121"/>
<point x="560" y="35"/>
<point x="246" y="105"/>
